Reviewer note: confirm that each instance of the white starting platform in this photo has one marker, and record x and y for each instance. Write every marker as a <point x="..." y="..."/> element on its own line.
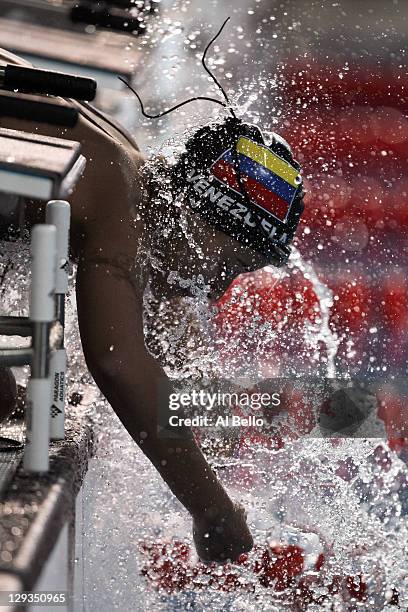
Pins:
<point x="40" y="478"/>
<point x="40" y="168"/>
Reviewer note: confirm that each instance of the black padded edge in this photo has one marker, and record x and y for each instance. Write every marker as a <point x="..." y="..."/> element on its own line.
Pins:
<point x="34" y="508"/>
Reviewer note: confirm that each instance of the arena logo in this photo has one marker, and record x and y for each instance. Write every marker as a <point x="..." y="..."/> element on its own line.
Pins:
<point x="236" y="209"/>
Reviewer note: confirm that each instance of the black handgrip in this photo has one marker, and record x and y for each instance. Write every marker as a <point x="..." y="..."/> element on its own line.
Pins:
<point x="33" y="110"/>
<point x="149" y="6"/>
<point x="33" y="80"/>
<point x="123" y="4"/>
<point x="112" y="19"/>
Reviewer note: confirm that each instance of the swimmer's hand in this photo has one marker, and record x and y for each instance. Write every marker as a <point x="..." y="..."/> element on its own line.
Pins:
<point x="224" y="538"/>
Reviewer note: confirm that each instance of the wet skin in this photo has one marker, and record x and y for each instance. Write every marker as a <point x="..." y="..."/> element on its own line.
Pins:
<point x="104" y="244"/>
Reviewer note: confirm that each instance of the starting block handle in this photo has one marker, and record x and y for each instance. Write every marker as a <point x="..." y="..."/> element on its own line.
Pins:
<point x="38" y="425"/>
<point x="42" y="309"/>
<point x="43" y="258"/>
<point x="47" y="82"/>
<point x="58" y="213"/>
<point x="58" y="372"/>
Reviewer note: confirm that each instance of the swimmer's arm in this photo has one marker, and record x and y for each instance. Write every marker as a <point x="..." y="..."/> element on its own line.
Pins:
<point x="111" y="326"/>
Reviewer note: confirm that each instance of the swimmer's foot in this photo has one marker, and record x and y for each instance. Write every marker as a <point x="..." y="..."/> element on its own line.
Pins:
<point x="222" y="538"/>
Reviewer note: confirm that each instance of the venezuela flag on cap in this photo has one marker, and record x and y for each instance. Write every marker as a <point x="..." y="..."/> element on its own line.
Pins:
<point x="270" y="182"/>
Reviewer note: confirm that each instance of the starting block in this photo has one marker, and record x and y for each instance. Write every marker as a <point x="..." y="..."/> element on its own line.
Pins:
<point x="41" y="168"/>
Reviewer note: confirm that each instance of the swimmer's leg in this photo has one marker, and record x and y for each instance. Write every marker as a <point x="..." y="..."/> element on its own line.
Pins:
<point x="111" y="326"/>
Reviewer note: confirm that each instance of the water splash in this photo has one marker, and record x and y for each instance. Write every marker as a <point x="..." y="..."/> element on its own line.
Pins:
<point x="359" y="516"/>
<point x="321" y="331"/>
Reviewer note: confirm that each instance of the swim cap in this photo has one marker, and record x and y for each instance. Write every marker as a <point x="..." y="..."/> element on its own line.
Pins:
<point x="243" y="187"/>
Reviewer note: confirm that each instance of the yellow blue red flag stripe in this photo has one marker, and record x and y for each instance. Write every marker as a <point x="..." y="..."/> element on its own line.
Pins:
<point x="265" y="188"/>
<point x="269" y="160"/>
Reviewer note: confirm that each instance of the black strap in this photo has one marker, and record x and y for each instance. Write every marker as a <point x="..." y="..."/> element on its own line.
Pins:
<point x="48" y="82"/>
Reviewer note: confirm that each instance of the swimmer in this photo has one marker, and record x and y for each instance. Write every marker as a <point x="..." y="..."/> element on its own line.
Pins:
<point x="110" y="283"/>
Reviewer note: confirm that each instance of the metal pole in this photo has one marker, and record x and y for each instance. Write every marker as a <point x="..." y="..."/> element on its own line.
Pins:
<point x="15" y="326"/>
<point x="15" y="357"/>
<point x="58" y="213"/>
<point x="42" y="304"/>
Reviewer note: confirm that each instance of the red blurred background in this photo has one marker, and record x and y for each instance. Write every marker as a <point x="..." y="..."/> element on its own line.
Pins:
<point x="349" y="129"/>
